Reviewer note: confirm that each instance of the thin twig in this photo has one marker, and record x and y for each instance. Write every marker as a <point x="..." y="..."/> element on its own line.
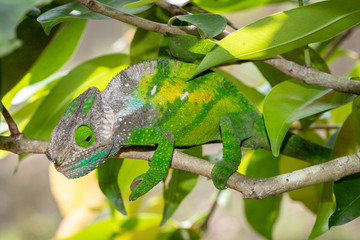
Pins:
<point x="14" y="131"/>
<point x="173" y="9"/>
<point x="315" y="77"/>
<point x="205" y="224"/>
<point x="336" y="43"/>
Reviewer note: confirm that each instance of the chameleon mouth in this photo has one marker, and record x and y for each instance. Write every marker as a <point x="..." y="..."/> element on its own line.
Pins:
<point x="76" y="167"/>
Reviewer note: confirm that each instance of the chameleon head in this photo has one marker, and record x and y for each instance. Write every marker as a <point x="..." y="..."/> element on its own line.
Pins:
<point x="83" y="138"/>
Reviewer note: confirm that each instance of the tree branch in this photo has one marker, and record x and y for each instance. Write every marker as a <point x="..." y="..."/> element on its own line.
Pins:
<point x="255" y="188"/>
<point x="22" y="144"/>
<point x="152" y="26"/>
<point x="173" y="9"/>
<point x="315" y="77"/>
<point x="259" y="188"/>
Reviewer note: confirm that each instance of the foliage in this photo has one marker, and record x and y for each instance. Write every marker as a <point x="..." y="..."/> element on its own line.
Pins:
<point x="35" y="43"/>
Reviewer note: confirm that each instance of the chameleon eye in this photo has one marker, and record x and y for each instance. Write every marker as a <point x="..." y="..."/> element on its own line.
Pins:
<point x="84" y="136"/>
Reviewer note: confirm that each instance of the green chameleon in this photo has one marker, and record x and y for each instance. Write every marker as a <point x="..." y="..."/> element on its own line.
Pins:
<point x="156" y="103"/>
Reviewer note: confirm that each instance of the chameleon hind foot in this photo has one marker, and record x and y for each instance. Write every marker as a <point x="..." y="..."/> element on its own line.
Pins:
<point x="233" y="133"/>
<point x="221" y="173"/>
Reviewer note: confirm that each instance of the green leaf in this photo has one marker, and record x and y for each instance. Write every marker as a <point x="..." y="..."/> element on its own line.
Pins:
<point x="51" y="59"/>
<point x="262" y="214"/>
<point x="143" y="226"/>
<point x="76" y="10"/>
<point x="255" y="96"/>
<point x="108" y="182"/>
<point x="96" y="72"/>
<point x="309" y="196"/>
<point x="189" y="48"/>
<point x="324" y="211"/>
<point x="101" y="230"/>
<point x="15" y="65"/>
<point x="139" y="3"/>
<point x="11" y="13"/>
<point x="129" y="171"/>
<point x="180" y="185"/>
<point x="347" y="194"/>
<point x="284" y="31"/>
<point x="346" y="190"/>
<point x="185" y="234"/>
<point x="219" y="6"/>
<point x="348" y="139"/>
<point x="292" y="100"/>
<point x="209" y="25"/>
<point x="140" y="49"/>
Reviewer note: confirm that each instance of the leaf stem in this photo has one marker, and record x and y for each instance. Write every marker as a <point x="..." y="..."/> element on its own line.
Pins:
<point x="307" y="57"/>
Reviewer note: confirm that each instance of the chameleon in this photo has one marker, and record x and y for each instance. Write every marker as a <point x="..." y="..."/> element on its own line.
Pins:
<point x="157" y="103"/>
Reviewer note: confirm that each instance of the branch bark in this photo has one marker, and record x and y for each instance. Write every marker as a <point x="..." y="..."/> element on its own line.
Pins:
<point x="314" y="77"/>
<point x="255" y="188"/>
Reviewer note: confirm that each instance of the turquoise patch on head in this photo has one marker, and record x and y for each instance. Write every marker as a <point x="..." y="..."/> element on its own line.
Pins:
<point x="72" y="106"/>
<point x="89" y="101"/>
<point x="90" y="161"/>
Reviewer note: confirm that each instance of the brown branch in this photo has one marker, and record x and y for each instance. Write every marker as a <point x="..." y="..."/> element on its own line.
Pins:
<point x="152" y="26"/>
<point x="22" y="144"/>
<point x="17" y="142"/>
<point x="14" y="131"/>
<point x="256" y="188"/>
<point x="259" y="188"/>
<point x="315" y="77"/>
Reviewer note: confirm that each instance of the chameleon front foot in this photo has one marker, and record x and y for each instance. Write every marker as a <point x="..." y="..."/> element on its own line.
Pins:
<point x="140" y="186"/>
<point x="160" y="161"/>
<point x="136" y="181"/>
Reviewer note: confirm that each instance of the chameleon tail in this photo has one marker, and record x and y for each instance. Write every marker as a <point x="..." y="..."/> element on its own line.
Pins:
<point x="295" y="146"/>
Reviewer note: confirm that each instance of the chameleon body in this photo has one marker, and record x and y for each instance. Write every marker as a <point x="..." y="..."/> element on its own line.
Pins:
<point x="154" y="103"/>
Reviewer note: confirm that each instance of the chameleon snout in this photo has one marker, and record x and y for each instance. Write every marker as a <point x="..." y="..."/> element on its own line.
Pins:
<point x="51" y="159"/>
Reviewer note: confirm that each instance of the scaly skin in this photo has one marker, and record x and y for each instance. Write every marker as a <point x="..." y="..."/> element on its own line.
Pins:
<point x="155" y="103"/>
